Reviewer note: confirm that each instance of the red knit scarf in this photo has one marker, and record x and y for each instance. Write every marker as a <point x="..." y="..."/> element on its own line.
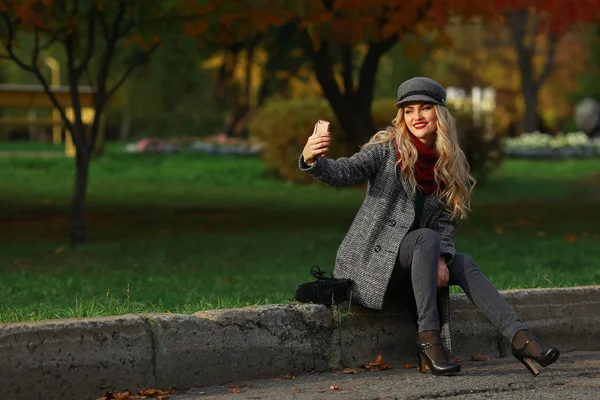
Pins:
<point x="425" y="166"/>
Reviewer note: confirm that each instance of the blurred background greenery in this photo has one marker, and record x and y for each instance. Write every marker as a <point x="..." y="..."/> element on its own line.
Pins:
<point x="195" y="201"/>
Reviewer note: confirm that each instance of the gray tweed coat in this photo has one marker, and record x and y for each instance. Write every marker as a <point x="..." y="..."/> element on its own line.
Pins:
<point x="367" y="254"/>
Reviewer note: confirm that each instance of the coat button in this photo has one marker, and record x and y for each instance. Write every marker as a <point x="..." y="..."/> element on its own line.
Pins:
<point x="377" y="248"/>
<point x="392" y="222"/>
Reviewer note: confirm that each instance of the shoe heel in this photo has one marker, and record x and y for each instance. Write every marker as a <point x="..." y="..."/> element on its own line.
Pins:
<point x="421" y="363"/>
<point x="529" y="365"/>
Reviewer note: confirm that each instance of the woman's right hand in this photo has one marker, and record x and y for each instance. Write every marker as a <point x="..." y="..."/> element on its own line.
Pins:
<point x="316" y="145"/>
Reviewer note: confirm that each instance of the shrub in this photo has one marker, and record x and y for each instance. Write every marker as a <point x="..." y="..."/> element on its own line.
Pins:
<point x="283" y="126"/>
<point x="483" y="149"/>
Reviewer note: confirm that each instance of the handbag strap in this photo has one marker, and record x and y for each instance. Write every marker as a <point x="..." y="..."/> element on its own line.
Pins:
<point x="319" y="274"/>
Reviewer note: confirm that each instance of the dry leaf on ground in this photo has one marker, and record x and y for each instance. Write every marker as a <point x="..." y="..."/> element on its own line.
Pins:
<point x="297" y="390"/>
<point x="480" y="357"/>
<point x="159" y="394"/>
<point x="290" y="377"/>
<point x="457" y="360"/>
<point x="235" y="389"/>
<point x="146" y="394"/>
<point x="377" y="365"/>
<point x="409" y="366"/>
<point x="116" y="396"/>
<point x="334" y="388"/>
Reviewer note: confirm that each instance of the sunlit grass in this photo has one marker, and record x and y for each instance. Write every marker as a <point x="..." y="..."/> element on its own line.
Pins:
<point x="184" y="233"/>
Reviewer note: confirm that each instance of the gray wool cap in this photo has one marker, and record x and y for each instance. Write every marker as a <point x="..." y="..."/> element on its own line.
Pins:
<point x="421" y="89"/>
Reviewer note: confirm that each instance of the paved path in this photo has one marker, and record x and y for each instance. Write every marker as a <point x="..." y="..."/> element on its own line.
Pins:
<point x="573" y="376"/>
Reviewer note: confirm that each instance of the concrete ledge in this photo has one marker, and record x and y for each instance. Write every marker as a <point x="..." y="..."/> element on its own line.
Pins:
<point x="81" y="358"/>
<point x="219" y="346"/>
<point x="566" y="317"/>
<point x="74" y="359"/>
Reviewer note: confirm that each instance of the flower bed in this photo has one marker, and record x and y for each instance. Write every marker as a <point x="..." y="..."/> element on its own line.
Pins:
<point x="542" y="145"/>
<point x="218" y="145"/>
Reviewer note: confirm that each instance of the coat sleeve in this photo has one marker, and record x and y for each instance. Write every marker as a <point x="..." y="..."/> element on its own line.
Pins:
<point x="445" y="226"/>
<point x="347" y="171"/>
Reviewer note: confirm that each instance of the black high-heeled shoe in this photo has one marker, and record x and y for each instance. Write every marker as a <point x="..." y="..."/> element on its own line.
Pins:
<point x="545" y="358"/>
<point x="437" y="367"/>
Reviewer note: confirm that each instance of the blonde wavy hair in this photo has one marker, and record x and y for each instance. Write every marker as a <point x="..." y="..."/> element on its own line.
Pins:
<point x="451" y="169"/>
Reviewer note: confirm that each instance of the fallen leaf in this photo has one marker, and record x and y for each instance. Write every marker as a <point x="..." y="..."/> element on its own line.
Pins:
<point x="350" y="371"/>
<point x="297" y="390"/>
<point x="155" y="393"/>
<point x="409" y="366"/>
<point x="235" y="389"/>
<point x="169" y="312"/>
<point x="334" y="388"/>
<point x="377" y="365"/>
<point x="117" y="396"/>
<point x="457" y="360"/>
<point x="499" y="230"/>
<point x="59" y="250"/>
<point x="569" y="237"/>
<point x="290" y="377"/>
<point x="480" y="357"/>
<point x="33" y="314"/>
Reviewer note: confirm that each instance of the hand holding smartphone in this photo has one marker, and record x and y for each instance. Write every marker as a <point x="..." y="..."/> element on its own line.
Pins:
<point x="318" y="143"/>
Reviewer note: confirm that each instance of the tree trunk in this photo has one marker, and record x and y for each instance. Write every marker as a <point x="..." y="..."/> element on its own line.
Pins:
<point x="524" y="40"/>
<point x="530" y="94"/>
<point x="353" y="106"/>
<point x="77" y="226"/>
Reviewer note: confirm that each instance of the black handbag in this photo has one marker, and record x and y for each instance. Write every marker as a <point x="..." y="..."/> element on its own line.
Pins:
<point x="325" y="290"/>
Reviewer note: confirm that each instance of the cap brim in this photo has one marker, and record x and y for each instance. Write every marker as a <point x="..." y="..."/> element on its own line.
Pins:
<point x="418" y="98"/>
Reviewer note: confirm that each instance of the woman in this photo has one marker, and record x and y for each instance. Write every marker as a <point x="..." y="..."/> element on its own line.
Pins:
<point x="418" y="188"/>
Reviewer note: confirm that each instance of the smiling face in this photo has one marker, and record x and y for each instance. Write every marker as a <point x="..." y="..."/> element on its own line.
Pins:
<point x="421" y="121"/>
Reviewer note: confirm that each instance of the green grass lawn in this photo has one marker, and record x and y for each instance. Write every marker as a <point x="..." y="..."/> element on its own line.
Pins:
<point x="183" y="233"/>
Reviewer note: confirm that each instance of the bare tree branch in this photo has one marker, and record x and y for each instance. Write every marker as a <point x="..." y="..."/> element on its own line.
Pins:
<point x="35" y="52"/>
<point x="53" y="38"/>
<point x="348" y="70"/>
<point x="368" y="70"/>
<point x="89" y="51"/>
<point x="9" y="44"/>
<point x="104" y="26"/>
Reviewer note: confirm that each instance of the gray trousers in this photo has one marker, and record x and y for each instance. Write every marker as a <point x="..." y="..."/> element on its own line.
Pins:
<point x="418" y="259"/>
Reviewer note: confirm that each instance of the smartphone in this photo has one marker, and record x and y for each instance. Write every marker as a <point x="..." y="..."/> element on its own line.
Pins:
<point x="322" y="127"/>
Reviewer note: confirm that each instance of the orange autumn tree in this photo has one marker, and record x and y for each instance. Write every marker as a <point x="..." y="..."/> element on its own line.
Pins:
<point x="345" y="39"/>
<point x="104" y="42"/>
<point x="536" y="27"/>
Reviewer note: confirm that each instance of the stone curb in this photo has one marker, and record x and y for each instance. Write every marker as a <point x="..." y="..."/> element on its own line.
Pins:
<point x="83" y="358"/>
